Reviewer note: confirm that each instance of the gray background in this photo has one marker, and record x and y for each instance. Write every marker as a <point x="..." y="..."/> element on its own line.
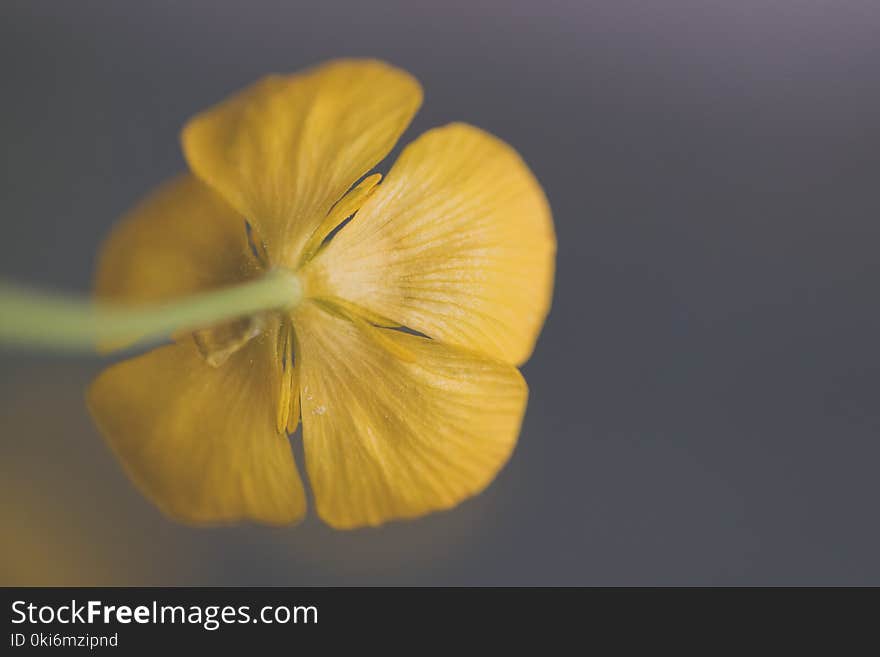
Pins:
<point x="704" y="405"/>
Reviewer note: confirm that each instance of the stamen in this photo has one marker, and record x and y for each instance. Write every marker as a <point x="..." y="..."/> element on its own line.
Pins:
<point x="287" y="417"/>
<point x="340" y="214"/>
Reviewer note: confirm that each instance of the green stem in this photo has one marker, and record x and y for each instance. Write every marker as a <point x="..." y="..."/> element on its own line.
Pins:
<point x="36" y="319"/>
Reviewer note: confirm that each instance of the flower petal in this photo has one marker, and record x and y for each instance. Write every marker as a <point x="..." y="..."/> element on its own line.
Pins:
<point x="181" y="239"/>
<point x="285" y="149"/>
<point x="456" y="243"/>
<point x="201" y="441"/>
<point x="389" y="438"/>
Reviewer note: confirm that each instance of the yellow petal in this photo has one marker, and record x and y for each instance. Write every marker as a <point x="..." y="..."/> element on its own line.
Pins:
<point x="181" y="239"/>
<point x="385" y="438"/>
<point x="200" y="441"/>
<point x="285" y="149"/>
<point x="456" y="243"/>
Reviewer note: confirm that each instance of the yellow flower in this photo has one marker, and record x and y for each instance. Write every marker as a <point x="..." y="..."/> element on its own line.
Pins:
<point x="456" y="245"/>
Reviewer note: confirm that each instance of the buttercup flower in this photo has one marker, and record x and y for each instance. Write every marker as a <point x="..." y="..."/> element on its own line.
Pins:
<point x="401" y="356"/>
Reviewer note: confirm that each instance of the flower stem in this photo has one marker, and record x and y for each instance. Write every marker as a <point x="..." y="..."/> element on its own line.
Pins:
<point x="35" y="319"/>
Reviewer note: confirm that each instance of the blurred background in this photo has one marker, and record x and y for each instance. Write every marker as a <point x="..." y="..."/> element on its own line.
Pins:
<point x="704" y="398"/>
